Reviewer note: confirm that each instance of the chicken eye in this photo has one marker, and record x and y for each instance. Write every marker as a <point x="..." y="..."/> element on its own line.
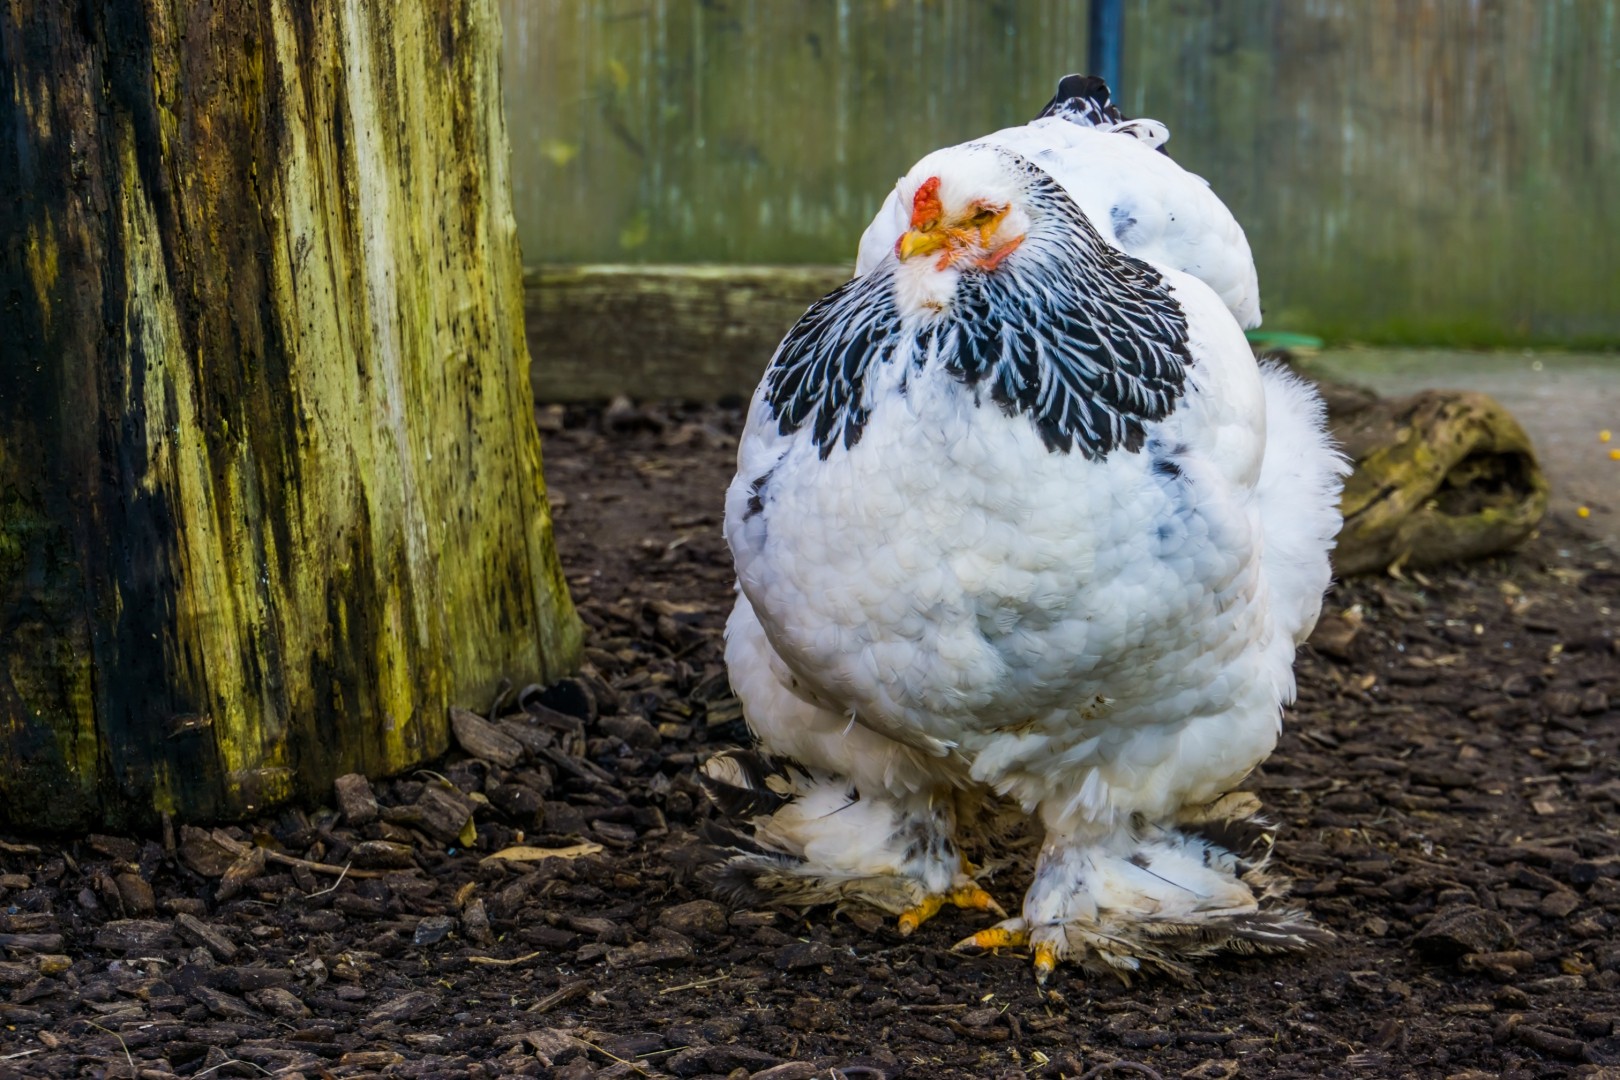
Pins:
<point x="984" y="215"/>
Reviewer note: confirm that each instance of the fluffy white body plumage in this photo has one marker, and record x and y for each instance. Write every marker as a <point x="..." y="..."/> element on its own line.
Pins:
<point x="949" y="605"/>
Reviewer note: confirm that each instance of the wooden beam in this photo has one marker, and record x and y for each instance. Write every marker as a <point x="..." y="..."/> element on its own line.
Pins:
<point x="699" y="333"/>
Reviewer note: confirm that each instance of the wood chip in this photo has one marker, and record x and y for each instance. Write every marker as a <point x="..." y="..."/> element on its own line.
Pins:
<point x="356" y="799"/>
<point x="197" y="932"/>
<point x="522" y="853"/>
<point x="484" y="740"/>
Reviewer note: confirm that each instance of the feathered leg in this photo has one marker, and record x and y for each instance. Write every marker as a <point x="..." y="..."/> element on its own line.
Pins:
<point x="1151" y="895"/>
<point x="810" y="838"/>
<point x="829" y="811"/>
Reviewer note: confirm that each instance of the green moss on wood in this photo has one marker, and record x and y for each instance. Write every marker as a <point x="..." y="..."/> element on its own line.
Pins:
<point x="294" y="507"/>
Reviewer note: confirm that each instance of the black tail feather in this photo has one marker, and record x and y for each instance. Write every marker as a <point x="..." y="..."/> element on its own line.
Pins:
<point x="745" y="783"/>
<point x="1083" y="100"/>
<point x="1086" y="100"/>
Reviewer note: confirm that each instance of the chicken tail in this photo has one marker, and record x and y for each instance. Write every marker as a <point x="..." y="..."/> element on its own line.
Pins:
<point x="1298" y="494"/>
<point x="1086" y="101"/>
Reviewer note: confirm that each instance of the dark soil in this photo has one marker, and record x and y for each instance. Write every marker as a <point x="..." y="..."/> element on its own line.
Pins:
<point x="1446" y="791"/>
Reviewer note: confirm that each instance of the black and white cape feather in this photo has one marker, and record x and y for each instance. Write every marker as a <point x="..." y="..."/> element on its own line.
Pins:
<point x="1084" y="340"/>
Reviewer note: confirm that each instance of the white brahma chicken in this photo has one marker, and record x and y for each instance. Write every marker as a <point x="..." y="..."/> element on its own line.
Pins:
<point x="1017" y="512"/>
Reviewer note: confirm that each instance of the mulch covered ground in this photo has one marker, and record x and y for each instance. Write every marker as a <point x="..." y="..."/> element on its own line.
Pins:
<point x="1447" y="792"/>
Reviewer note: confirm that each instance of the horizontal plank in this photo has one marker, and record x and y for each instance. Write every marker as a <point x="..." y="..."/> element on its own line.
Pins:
<point x="698" y="332"/>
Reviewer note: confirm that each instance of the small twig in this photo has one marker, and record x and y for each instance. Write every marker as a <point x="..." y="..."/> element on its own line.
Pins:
<point x="236" y="847"/>
<point x="18" y="1054"/>
<point x="133" y="1071"/>
<point x="694" y="985"/>
<point x="333" y="887"/>
<point x="494" y="961"/>
<point x="233" y="1061"/>
<point x="610" y="1056"/>
<point x="323" y="868"/>
<point x="561" y="996"/>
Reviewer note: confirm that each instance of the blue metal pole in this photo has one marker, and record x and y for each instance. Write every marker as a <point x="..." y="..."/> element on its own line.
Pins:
<point x="1105" y="42"/>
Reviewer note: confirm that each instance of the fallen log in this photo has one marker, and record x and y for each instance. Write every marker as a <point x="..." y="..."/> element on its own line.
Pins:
<point x="1440" y="476"/>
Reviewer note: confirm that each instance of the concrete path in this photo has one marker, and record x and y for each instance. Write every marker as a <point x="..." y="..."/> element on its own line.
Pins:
<point x="1564" y="400"/>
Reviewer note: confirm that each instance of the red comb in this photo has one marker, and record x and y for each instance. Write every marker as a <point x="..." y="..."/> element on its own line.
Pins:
<point x="925" y="207"/>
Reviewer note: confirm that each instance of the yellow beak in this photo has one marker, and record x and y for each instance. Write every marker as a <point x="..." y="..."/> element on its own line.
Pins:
<point x="920" y="243"/>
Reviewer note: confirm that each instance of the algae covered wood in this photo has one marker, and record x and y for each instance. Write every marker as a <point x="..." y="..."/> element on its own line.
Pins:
<point x="1440" y="476"/>
<point x="270" y="491"/>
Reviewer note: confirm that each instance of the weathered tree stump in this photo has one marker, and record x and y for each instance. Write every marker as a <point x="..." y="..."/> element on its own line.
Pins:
<point x="270" y="493"/>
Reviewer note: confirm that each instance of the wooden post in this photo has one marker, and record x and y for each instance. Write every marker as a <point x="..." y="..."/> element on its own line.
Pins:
<point x="270" y="493"/>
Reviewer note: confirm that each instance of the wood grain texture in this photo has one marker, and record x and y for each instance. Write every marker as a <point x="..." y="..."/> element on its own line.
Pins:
<point x="270" y="493"/>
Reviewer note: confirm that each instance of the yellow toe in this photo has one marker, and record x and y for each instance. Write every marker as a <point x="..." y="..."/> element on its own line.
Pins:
<point x="1045" y="962"/>
<point x="975" y="899"/>
<point x="913" y="917"/>
<point x="996" y="937"/>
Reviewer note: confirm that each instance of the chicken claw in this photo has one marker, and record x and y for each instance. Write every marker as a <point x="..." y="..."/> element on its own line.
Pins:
<point x="1014" y="933"/>
<point x="969" y="897"/>
<point x="1008" y="934"/>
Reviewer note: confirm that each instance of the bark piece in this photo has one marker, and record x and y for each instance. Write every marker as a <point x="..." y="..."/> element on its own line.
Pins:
<point x="279" y="1002"/>
<point x="382" y="855"/>
<point x="197" y="932"/>
<point x="405" y="1007"/>
<point x="482" y="739"/>
<point x="672" y="951"/>
<point x="205" y="853"/>
<point x="355" y="799"/>
<point x="475" y="923"/>
<point x="130" y="935"/>
<point x="31" y="943"/>
<point x="803" y="956"/>
<point x="236" y="877"/>
<point x="696" y="917"/>
<point x="136" y="894"/>
<point x="1456" y="931"/>
<point x="440" y="812"/>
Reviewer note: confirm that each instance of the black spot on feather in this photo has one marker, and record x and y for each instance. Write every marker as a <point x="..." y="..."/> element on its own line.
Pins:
<point x="756" y="492"/>
<point x="742" y="787"/>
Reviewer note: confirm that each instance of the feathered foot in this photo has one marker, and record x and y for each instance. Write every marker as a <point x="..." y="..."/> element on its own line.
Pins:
<point x="1151" y="897"/>
<point x="809" y="838"/>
